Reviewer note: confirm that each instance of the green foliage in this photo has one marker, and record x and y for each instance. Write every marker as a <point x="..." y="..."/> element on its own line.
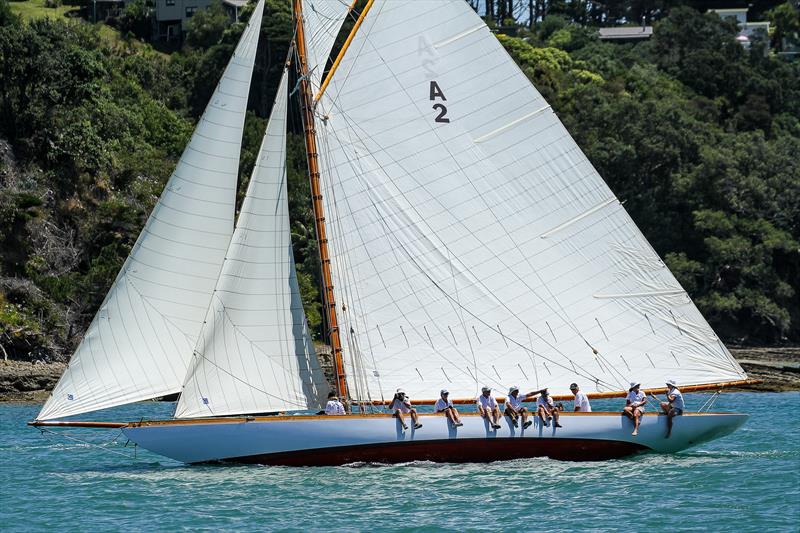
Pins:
<point x="699" y="137"/>
<point x="7" y="17"/>
<point x="136" y="19"/>
<point x="207" y="26"/>
<point x="785" y="19"/>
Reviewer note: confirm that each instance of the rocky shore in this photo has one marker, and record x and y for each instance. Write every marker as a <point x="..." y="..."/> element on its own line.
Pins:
<point x="777" y="368"/>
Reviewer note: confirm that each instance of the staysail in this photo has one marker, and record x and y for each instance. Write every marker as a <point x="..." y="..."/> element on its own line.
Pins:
<point x="140" y="341"/>
<point x="473" y="242"/>
<point x="255" y="353"/>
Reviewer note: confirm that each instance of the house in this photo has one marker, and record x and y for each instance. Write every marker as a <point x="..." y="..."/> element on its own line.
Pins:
<point x="748" y="31"/>
<point x="170" y="16"/>
<point x="626" y="34"/>
<point x="102" y="9"/>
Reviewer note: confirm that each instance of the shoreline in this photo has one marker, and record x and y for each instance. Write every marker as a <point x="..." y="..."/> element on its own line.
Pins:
<point x="777" y="367"/>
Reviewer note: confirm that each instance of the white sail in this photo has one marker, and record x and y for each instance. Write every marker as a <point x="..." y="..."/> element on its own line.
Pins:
<point x="472" y="241"/>
<point x="322" y="20"/>
<point x="140" y="341"/>
<point x="255" y="353"/>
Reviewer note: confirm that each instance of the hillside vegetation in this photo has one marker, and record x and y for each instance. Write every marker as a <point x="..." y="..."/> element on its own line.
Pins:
<point x="697" y="135"/>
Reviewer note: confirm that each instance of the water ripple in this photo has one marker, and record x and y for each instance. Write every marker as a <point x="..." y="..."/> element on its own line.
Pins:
<point x="749" y="481"/>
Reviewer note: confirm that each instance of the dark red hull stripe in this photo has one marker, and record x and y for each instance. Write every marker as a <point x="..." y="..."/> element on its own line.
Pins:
<point x="450" y="451"/>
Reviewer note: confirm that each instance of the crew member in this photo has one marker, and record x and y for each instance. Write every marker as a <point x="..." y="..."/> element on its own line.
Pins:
<point x="445" y="405"/>
<point x="634" y="406"/>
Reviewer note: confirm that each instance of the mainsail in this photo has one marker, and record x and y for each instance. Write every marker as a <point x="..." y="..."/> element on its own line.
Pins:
<point x="473" y="242"/>
<point x="255" y="353"/>
<point x="140" y="341"/>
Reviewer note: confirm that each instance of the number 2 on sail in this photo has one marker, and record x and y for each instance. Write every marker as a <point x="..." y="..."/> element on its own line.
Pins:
<point x="436" y="92"/>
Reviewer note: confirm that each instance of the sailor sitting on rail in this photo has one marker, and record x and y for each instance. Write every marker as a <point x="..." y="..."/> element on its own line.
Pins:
<point x="334" y="406"/>
<point x="445" y="405"/>
<point x="634" y="406"/>
<point x="581" y="400"/>
<point x="546" y="409"/>
<point x="401" y="405"/>
<point x="674" y="406"/>
<point x="515" y="409"/>
<point x="488" y="408"/>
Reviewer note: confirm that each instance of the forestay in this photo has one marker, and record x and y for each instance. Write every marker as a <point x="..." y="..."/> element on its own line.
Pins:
<point x="473" y="243"/>
<point x="322" y="20"/>
<point x="139" y="343"/>
<point x="255" y="353"/>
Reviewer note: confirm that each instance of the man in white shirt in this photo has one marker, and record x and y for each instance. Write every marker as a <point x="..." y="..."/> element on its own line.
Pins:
<point x="634" y="406"/>
<point x="546" y="409"/>
<point x="488" y="408"/>
<point x="581" y="400"/>
<point x="334" y="406"/>
<point x="445" y="405"/>
<point x="515" y="409"/>
<point x="401" y="405"/>
<point x="673" y="406"/>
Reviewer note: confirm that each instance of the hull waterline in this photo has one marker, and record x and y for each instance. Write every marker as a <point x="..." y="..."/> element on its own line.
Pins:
<point x="328" y="441"/>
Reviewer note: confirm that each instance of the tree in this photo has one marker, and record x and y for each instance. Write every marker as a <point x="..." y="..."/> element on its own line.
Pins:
<point x="207" y="26"/>
<point x="786" y="20"/>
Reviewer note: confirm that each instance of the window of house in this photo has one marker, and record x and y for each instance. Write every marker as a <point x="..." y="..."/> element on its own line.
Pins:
<point x="190" y="10"/>
<point x="170" y="2"/>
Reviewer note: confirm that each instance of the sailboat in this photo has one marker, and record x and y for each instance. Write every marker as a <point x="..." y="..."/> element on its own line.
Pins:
<point x="465" y="240"/>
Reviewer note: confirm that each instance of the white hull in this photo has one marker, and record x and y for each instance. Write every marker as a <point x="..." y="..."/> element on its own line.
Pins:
<point x="320" y="440"/>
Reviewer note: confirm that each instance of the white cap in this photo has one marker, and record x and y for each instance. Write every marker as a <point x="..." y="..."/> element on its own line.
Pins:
<point x="512" y="389"/>
<point x="400" y="391"/>
<point x="443" y="392"/>
<point x="671" y="383"/>
<point x="634" y="384"/>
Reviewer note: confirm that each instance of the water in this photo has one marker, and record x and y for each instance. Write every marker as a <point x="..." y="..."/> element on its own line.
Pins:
<point x="748" y="481"/>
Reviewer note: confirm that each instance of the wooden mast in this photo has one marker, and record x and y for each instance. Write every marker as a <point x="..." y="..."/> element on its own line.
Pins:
<point x="307" y="112"/>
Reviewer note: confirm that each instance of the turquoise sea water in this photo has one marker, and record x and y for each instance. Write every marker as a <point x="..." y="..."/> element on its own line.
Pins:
<point x="748" y="481"/>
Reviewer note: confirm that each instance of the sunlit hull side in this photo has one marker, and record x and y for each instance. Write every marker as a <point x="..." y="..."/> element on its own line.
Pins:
<point x="320" y="440"/>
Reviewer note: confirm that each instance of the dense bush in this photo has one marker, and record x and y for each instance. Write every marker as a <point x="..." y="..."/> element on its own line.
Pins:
<point x="699" y="136"/>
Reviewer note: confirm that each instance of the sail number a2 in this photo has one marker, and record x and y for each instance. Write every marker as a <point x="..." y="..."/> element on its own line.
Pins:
<point x="436" y="92"/>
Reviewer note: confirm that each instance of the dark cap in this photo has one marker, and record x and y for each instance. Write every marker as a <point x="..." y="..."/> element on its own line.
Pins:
<point x="573" y="386"/>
